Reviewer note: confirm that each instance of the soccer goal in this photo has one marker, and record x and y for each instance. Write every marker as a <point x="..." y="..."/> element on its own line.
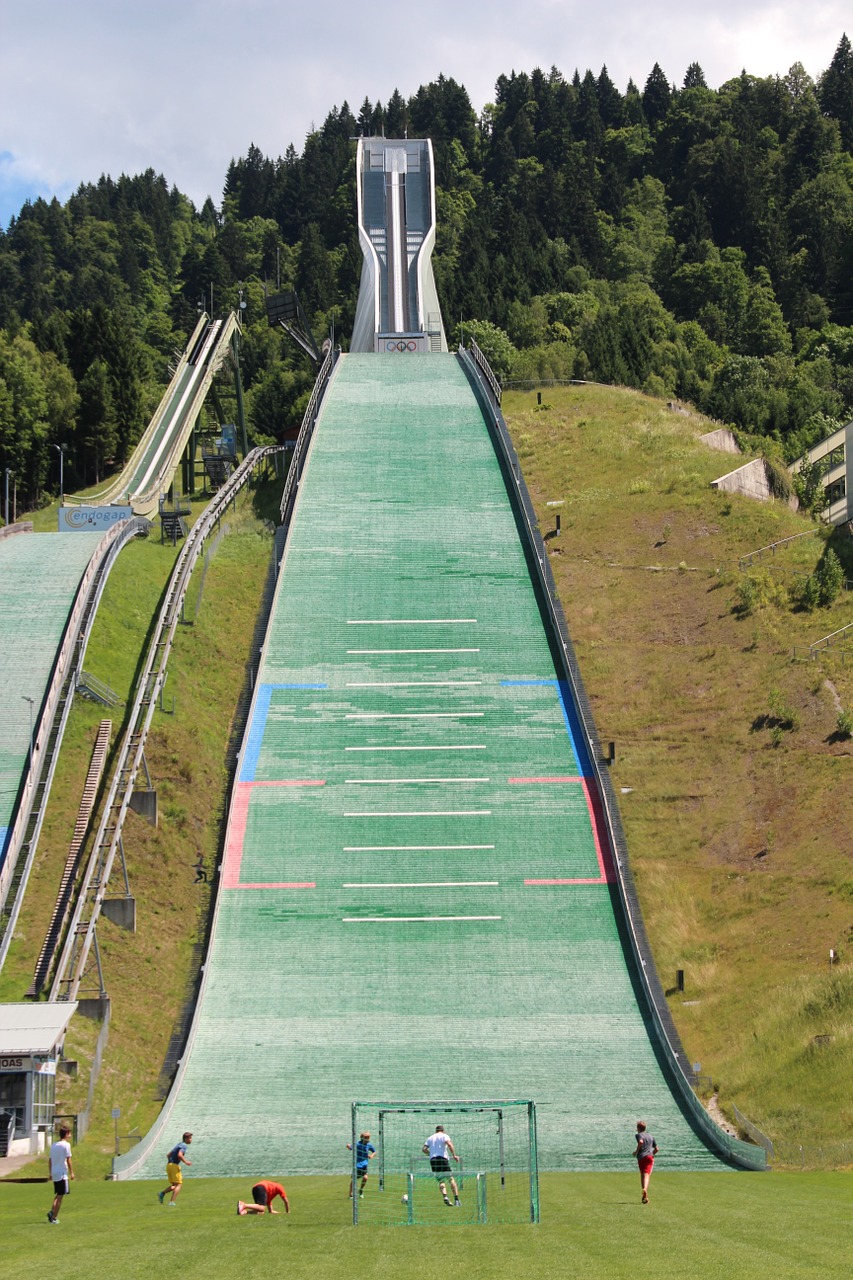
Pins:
<point x="490" y="1163"/>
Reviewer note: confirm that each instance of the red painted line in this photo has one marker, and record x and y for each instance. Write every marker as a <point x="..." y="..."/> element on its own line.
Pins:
<point x="594" y="880"/>
<point x="281" y="884"/>
<point x="599" y="832"/>
<point x="599" y="835"/>
<point x="238" y="818"/>
<point x="567" y="778"/>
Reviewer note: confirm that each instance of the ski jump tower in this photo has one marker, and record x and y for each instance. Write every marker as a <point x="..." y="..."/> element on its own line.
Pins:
<point x="398" y="309"/>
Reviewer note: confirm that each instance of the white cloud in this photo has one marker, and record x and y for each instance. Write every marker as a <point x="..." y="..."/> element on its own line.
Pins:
<point x="183" y="86"/>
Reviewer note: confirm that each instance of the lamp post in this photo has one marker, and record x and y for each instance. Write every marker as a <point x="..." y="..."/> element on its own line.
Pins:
<point x="26" y="697"/>
<point x="8" y="473"/>
<point x="60" y="448"/>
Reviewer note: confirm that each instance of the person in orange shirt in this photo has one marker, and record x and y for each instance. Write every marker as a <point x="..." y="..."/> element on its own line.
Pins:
<point x="263" y="1194"/>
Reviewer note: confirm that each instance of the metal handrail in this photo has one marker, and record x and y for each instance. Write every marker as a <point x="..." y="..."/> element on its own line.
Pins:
<point x="827" y="641"/>
<point x="306" y="430"/>
<point x="771" y="546"/>
<point x="486" y="370"/>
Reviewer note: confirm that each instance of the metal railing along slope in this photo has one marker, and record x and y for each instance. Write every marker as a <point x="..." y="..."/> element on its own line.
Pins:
<point x="731" y="1150"/>
<point x="306" y="431"/>
<point x="760" y="552"/>
<point x="80" y="936"/>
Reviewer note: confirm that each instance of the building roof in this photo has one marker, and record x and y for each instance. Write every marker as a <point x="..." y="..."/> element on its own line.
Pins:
<point x="33" y="1028"/>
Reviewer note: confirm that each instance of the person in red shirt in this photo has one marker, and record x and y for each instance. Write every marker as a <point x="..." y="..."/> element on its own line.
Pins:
<point x="263" y="1194"/>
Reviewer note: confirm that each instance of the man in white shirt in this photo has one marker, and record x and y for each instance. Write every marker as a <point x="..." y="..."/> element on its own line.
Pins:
<point x="61" y="1171"/>
<point x="436" y="1147"/>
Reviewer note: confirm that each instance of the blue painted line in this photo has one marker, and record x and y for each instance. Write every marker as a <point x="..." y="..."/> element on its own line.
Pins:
<point x="258" y="726"/>
<point x="567" y="706"/>
<point x="570" y="719"/>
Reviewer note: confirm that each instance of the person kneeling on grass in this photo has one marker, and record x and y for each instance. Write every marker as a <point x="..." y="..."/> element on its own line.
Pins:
<point x="263" y="1194"/>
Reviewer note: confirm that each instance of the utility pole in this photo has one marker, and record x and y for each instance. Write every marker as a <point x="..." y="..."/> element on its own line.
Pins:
<point x="60" y="448"/>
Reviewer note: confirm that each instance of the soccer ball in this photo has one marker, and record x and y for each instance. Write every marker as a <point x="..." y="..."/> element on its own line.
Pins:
<point x="405" y="1199"/>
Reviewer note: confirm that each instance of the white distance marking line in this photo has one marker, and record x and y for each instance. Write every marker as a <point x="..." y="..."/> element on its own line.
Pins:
<point x="418" y="813"/>
<point x="422" y="884"/>
<point x="408" y="684"/>
<point x="399" y="919"/>
<point x="414" y="715"/>
<point x="413" y="650"/>
<point x="411" y="848"/>
<point x="376" y="782"/>
<point x="481" y="747"/>
<point x="405" y="622"/>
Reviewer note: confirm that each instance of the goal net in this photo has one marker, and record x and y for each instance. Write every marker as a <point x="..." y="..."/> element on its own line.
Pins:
<point x="489" y="1163"/>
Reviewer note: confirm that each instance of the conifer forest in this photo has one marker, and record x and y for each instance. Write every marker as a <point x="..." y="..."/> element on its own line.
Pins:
<point x="693" y="242"/>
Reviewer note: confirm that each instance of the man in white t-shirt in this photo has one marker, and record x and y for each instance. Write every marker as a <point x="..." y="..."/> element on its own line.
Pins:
<point x="437" y="1147"/>
<point x="61" y="1172"/>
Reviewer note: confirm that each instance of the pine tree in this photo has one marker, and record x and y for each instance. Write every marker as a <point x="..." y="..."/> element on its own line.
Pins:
<point x="657" y="96"/>
<point x="611" y="108"/>
<point x="694" y="77"/>
<point x="396" y="116"/>
<point x="835" y="91"/>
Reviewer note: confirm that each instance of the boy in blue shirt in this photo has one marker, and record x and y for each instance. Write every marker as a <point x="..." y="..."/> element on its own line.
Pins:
<point x="364" y="1151"/>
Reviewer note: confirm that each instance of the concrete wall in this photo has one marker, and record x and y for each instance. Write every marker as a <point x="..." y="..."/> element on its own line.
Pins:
<point x="750" y="479"/>
<point x="721" y="439"/>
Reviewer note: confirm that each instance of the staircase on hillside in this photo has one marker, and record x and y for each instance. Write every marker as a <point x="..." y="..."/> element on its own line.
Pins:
<point x="89" y="686"/>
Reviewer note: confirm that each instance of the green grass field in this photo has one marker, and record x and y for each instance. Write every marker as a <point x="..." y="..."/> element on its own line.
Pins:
<point x="698" y="1225"/>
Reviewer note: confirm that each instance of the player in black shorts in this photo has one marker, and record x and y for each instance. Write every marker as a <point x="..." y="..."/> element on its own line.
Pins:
<point x="436" y="1147"/>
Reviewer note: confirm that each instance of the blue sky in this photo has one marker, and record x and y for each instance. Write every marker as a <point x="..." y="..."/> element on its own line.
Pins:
<point x="183" y="86"/>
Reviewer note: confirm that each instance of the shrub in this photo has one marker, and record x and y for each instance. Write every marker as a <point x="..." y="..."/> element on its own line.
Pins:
<point x="844" y="724"/>
<point x="822" y="587"/>
<point x="830" y="577"/>
<point x="758" y="591"/>
<point x="810" y="593"/>
<point x="778" y="479"/>
<point x="783" y="713"/>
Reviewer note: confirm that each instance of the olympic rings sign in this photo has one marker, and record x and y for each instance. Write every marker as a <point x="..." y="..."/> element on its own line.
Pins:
<point x="401" y="345"/>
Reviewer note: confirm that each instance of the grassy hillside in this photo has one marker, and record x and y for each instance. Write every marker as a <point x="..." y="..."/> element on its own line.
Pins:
<point x="733" y="779"/>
